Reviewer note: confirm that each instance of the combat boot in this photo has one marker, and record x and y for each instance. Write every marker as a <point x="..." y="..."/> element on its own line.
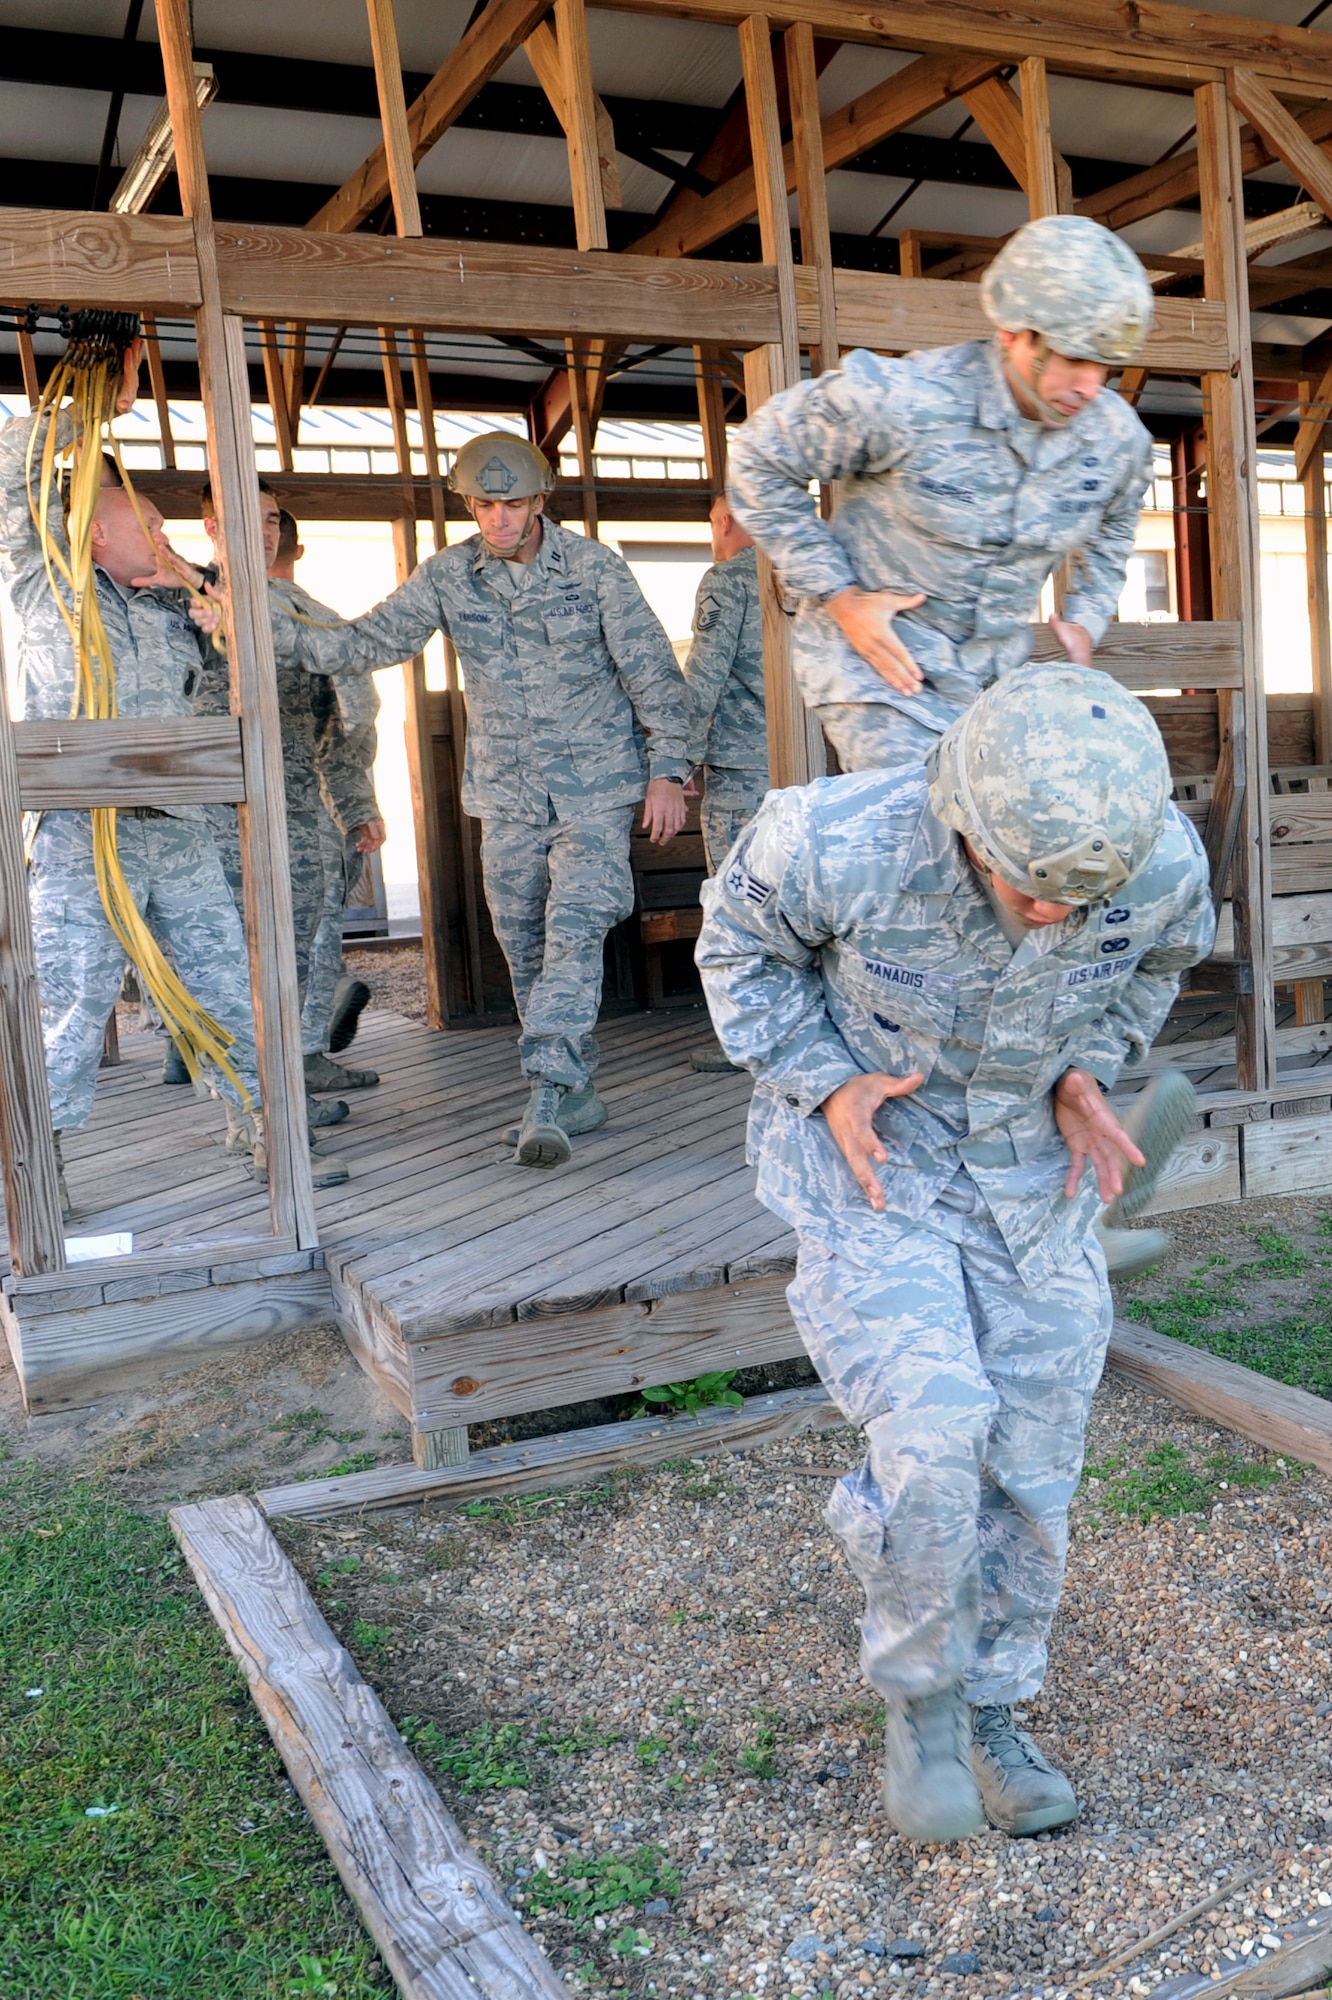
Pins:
<point x="173" y="1065"/>
<point x="321" y="1074"/>
<point x="350" y="997"/>
<point x="542" y="1140"/>
<point x="247" y="1140"/>
<point x="580" y="1111"/>
<point x="1020" y="1789"/>
<point x="711" y="1060"/>
<point x="928" y="1785"/>
<point x="322" y="1111"/>
<point x="66" y="1205"/>
<point x="1129" y="1253"/>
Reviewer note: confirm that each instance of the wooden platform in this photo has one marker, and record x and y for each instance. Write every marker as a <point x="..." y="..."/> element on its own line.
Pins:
<point x="470" y="1288"/>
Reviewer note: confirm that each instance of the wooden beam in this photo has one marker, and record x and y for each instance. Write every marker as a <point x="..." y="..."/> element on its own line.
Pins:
<point x="32" y="387"/>
<point x="1313" y="477"/>
<point x="1313" y="424"/>
<point x="425" y="809"/>
<point x="1168" y="46"/>
<point x="1238" y="827"/>
<point x="1132" y="383"/>
<point x="812" y="189"/>
<point x="128" y="263"/>
<point x="161" y="401"/>
<point x="428" y="1900"/>
<point x="770" y="183"/>
<point x="580" y="111"/>
<point x="796" y="750"/>
<point x="224" y="380"/>
<point x="1291" y="145"/>
<point x="178" y="761"/>
<point x="711" y="416"/>
<point x="1048" y="181"/>
<point x="501" y="28"/>
<point x="399" y="162"/>
<point x="584" y="430"/>
<point x="543" y="52"/>
<point x="695" y="221"/>
<point x="278" y="389"/>
<point x="1267" y="1413"/>
<point x="568" y="1458"/>
<point x="27" y="1148"/>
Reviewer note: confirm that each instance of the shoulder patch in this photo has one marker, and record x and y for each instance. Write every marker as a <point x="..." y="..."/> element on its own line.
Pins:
<point x="744" y="887"/>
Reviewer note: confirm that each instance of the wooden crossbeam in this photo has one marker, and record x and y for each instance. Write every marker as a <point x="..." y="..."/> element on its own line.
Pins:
<point x="543" y="52"/>
<point x="127" y="263"/>
<point x="694" y="221"/>
<point x="500" y="29"/>
<point x="1283" y="134"/>
<point x="72" y="765"/>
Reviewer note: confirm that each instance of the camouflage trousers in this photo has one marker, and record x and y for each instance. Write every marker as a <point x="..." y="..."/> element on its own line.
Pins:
<point x="973" y="1394"/>
<point x="730" y="800"/>
<point x="305" y="853"/>
<point x="554" y="891"/>
<point x="176" y="879"/>
<point x="342" y="869"/>
<point x="873" y="735"/>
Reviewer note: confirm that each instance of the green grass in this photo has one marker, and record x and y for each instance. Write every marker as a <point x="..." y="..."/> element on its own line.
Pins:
<point x="759" y="1758"/>
<point x="1208" y="1311"/>
<point x="1169" y="1483"/>
<point x="149" y="1845"/>
<point x="500" y="1756"/>
<point x="612" y="1882"/>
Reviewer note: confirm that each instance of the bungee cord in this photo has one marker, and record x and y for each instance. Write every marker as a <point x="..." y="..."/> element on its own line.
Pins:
<point x="89" y="374"/>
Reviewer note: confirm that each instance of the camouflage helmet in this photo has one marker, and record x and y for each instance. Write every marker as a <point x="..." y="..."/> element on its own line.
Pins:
<point x="499" y="466"/>
<point x="1059" y="779"/>
<point x="1075" y="282"/>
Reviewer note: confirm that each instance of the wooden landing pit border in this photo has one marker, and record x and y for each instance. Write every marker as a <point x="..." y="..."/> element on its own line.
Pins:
<point x="429" y="1902"/>
<point x="1268" y="1413"/>
<point x="567" y="1459"/>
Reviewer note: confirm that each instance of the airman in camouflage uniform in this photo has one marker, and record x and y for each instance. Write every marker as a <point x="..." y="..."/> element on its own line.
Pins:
<point x="576" y="709"/>
<point x="168" y="856"/>
<point x="353" y="829"/>
<point x="968" y="475"/>
<point x="724" y="670"/>
<point x="931" y="1021"/>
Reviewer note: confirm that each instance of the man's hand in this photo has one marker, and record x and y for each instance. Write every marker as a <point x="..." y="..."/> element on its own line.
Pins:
<point x="850" y="1114"/>
<point x="1092" y="1132"/>
<point x="371" y="836"/>
<point x="866" y="618"/>
<point x="663" y="811"/>
<point x="172" y="570"/>
<point x="207" y="615"/>
<point x="1075" y="640"/>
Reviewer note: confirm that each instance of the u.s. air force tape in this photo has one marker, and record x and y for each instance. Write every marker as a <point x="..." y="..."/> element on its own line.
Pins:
<point x="746" y="888"/>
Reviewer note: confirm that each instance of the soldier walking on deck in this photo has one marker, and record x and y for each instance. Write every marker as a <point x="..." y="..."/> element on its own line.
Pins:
<point x="576" y="710"/>
<point x="934" y="974"/>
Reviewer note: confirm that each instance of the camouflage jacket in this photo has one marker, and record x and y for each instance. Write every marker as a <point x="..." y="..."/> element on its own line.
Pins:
<point x="314" y="744"/>
<point x="850" y="934"/>
<point x="946" y="488"/>
<point x="574" y="697"/>
<point x="725" y="669"/>
<point x="157" y="651"/>
<point x="347" y="763"/>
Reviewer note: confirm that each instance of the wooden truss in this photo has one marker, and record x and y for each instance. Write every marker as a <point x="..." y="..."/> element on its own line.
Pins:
<point x="1260" y="91"/>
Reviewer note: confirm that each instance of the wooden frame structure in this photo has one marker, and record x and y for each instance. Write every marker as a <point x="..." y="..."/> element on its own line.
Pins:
<point x="1260" y="92"/>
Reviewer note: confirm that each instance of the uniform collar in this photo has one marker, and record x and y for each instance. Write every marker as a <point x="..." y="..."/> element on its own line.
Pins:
<point x="549" y="557"/>
<point x="935" y="862"/>
<point x="997" y="409"/>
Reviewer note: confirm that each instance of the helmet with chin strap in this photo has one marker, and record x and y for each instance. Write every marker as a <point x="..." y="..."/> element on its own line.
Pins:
<point x="1058" y="778"/>
<point x="499" y="466"/>
<point x="1078" y="288"/>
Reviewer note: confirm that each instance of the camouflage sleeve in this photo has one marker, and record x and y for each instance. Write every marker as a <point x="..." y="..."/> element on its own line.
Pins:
<point x="765" y="920"/>
<point x="648" y="668"/>
<point x="844" y="420"/>
<point x="1099" y="569"/>
<point x="395" y="630"/>
<point x="339" y="762"/>
<point x="719" y="616"/>
<point x="19" y="540"/>
<point x="1131" y="1023"/>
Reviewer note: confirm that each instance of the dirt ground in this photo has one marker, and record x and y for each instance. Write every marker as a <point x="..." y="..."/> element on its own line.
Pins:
<point x="655" y="1682"/>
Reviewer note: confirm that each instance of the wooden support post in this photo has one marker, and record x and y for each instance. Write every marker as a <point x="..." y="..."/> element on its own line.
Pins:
<point x="770" y="187"/>
<point x="161" y="402"/>
<point x="276" y="383"/>
<point x="425" y="814"/>
<point x="1049" y="182"/>
<point x="27" y="1148"/>
<point x="585" y="431"/>
<point x="1313" y="477"/>
<point x="1237" y="827"/>
<point x="711" y="415"/>
<point x="796" y="751"/>
<point x="32" y="387"/>
<point x="224" y="381"/>
<point x="1193" y="560"/>
<point x="910" y="262"/>
<point x="543" y="52"/>
<point x="293" y="374"/>
<point x="580" y="125"/>
<point x="802" y="82"/>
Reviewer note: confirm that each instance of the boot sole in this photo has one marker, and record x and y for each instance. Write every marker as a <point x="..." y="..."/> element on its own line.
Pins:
<point x="712" y="1062"/>
<point x="334" y="1177"/>
<point x="355" y="1079"/>
<point x="1143" y="1257"/>
<point x="577" y="1128"/>
<point x="544" y="1146"/>
<point x="1036" y="1822"/>
<point x="348" y="1019"/>
<point x="1173" y="1107"/>
<point x="938" y="1833"/>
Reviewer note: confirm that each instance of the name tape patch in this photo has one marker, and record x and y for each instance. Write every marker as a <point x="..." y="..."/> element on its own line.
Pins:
<point x="907" y="978"/>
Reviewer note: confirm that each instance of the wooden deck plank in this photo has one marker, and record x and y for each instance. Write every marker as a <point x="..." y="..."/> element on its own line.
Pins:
<point x="427" y="1899"/>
